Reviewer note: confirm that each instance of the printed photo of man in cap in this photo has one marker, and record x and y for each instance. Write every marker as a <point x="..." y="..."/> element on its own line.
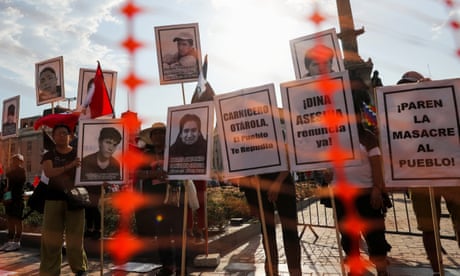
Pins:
<point x="178" y="53"/>
<point x="186" y="55"/>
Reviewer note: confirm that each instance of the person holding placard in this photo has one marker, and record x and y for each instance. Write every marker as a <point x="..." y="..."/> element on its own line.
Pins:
<point x="277" y="193"/>
<point x="59" y="165"/>
<point x="368" y="205"/>
<point x="163" y="218"/>
<point x="421" y="200"/>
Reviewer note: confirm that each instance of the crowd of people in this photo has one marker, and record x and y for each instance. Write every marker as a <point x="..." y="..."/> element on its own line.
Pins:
<point x="162" y="219"/>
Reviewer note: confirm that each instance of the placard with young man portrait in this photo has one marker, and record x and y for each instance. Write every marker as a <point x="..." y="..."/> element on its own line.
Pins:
<point x="10" y="117"/>
<point x="178" y="53"/>
<point x="101" y="144"/>
<point x="49" y="80"/>
<point x="316" y="54"/>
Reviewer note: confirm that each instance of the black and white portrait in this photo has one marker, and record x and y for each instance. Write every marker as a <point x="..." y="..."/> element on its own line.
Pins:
<point x="100" y="147"/>
<point x="316" y="54"/>
<point x="10" y="117"/>
<point x="189" y="138"/>
<point x="49" y="80"/>
<point x="178" y="53"/>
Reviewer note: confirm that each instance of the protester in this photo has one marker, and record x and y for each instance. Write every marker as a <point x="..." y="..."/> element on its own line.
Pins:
<point x="59" y="166"/>
<point x="164" y="216"/>
<point x="14" y="205"/>
<point x="368" y="204"/>
<point x="421" y="201"/>
<point x="277" y="194"/>
<point x="318" y="61"/>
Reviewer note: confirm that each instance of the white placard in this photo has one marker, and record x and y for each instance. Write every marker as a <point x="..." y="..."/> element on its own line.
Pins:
<point x="250" y="134"/>
<point x="419" y="130"/>
<point x="312" y="143"/>
<point x="189" y="137"/>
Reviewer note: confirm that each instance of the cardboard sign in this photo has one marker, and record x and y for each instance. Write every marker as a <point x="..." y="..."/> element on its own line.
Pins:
<point x="250" y="133"/>
<point x="312" y="141"/>
<point x="419" y="130"/>
<point x="189" y="136"/>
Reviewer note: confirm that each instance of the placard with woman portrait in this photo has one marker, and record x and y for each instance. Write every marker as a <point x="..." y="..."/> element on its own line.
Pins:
<point x="189" y="141"/>
<point x="49" y="80"/>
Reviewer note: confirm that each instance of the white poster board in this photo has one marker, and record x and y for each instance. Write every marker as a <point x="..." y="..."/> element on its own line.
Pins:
<point x="10" y="117"/>
<point x="101" y="145"/>
<point x="86" y="79"/>
<point x="419" y="131"/>
<point x="301" y="46"/>
<point x="313" y="143"/>
<point x="178" y="52"/>
<point x="189" y="138"/>
<point x="251" y="139"/>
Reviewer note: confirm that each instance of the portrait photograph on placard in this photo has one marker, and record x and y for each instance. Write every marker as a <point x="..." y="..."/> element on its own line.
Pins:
<point x="178" y="52"/>
<point x="309" y="137"/>
<point x="101" y="144"/>
<point x="10" y="117"/>
<point x="49" y="80"/>
<point x="249" y="126"/>
<point x="189" y="139"/>
<point x="419" y="133"/>
<point x="315" y="54"/>
<point x="86" y="83"/>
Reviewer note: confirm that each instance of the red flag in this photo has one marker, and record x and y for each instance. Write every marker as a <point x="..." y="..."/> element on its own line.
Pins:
<point x="99" y="103"/>
<point x="68" y="119"/>
<point x="1" y="168"/>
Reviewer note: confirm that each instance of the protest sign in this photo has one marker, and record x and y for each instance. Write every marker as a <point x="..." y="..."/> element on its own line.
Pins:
<point x="312" y="139"/>
<point x="250" y="134"/>
<point x="101" y="145"/>
<point x="189" y="141"/>
<point x="419" y="132"/>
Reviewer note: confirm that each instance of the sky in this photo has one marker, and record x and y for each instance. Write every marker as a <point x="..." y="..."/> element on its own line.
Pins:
<point x="247" y="43"/>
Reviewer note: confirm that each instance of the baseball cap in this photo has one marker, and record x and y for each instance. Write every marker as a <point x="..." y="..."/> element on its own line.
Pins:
<point x="18" y="156"/>
<point x="183" y="36"/>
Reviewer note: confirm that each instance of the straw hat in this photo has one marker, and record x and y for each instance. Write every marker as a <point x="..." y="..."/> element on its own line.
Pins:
<point x="144" y="135"/>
